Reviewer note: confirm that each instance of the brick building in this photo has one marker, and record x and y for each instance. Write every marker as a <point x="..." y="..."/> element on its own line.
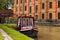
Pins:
<point x="41" y="10"/>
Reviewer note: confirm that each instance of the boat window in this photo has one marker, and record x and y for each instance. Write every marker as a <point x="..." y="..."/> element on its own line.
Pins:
<point x="19" y="21"/>
<point x="31" y="22"/>
<point x="25" y="22"/>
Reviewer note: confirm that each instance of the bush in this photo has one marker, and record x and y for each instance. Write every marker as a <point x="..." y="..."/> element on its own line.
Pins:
<point x="13" y="20"/>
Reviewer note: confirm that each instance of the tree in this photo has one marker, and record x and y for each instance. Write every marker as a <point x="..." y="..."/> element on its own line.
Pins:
<point x="10" y="5"/>
<point x="2" y="4"/>
<point x="5" y="4"/>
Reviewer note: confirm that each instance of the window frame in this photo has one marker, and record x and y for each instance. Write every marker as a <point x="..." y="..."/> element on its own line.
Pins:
<point x="30" y="9"/>
<point x="36" y="8"/>
<point x="25" y="8"/>
<point x="43" y="16"/>
<point x="43" y="5"/>
<point x="50" y="5"/>
<point x="50" y="15"/>
<point x="58" y="4"/>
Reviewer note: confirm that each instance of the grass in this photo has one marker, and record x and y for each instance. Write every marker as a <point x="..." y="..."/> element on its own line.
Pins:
<point x="1" y="37"/>
<point x="14" y="34"/>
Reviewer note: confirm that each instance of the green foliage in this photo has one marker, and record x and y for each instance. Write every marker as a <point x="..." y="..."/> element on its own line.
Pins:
<point x="15" y="34"/>
<point x="2" y="3"/>
<point x="11" y="21"/>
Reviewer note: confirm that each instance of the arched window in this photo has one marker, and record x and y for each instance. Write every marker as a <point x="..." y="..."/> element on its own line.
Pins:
<point x="42" y="16"/>
<point x="36" y="18"/>
<point x="50" y="16"/>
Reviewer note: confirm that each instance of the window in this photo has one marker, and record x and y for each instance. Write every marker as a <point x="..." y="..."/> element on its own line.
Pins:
<point x="50" y="5"/>
<point x="25" y="22"/>
<point x="31" y="22"/>
<point x="58" y="15"/>
<point x="50" y="16"/>
<point x="42" y="16"/>
<point x="25" y="8"/>
<point x="42" y="5"/>
<point x="19" y="22"/>
<point x="36" y="17"/>
<point x="36" y="8"/>
<point x="17" y="1"/>
<point x="30" y="9"/>
<point x="20" y="1"/>
<point x="58" y="4"/>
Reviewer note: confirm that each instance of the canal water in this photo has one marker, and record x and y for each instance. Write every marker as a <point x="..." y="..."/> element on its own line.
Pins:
<point x="48" y="33"/>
